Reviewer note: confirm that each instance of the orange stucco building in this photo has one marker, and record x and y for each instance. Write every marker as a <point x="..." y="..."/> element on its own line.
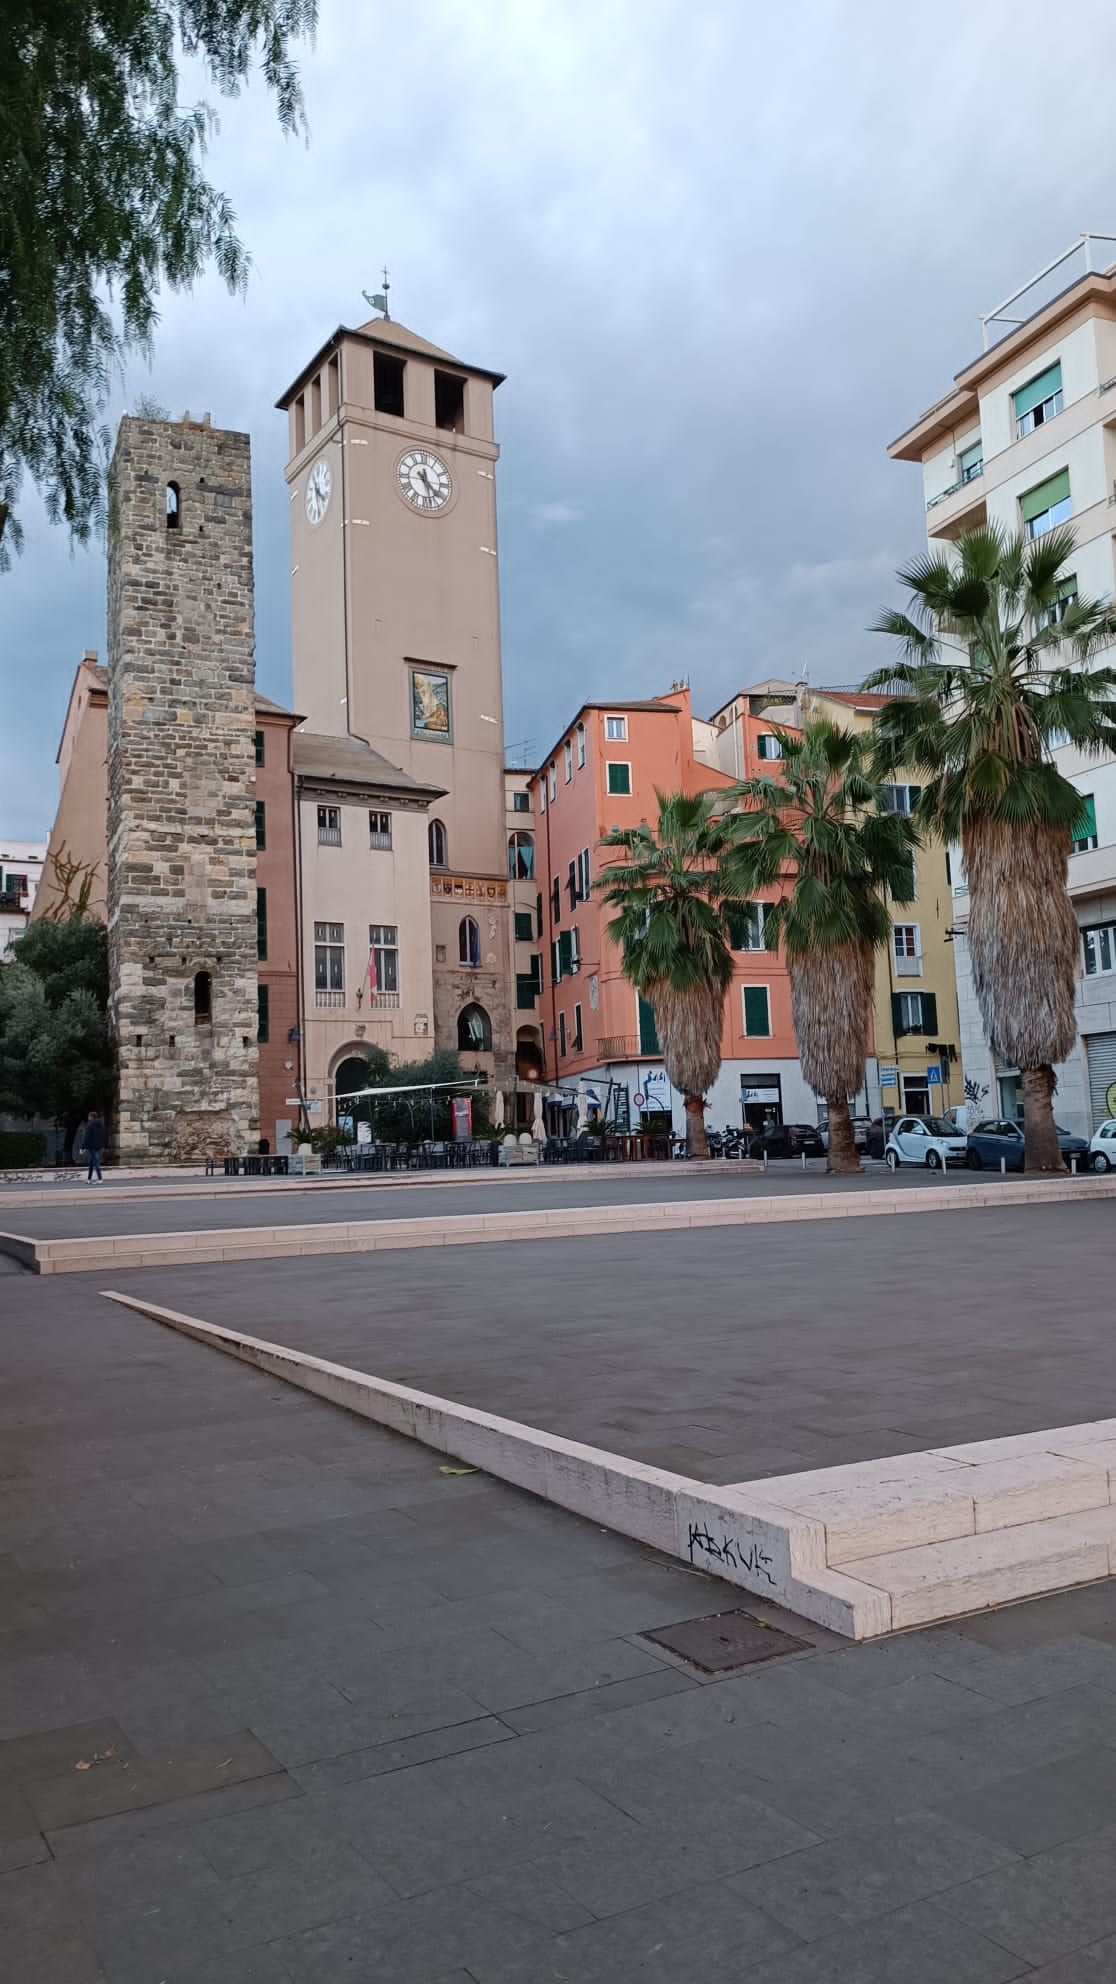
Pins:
<point x="597" y="1035"/>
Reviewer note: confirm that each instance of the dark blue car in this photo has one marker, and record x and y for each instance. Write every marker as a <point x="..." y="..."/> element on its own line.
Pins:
<point x="996" y="1139"/>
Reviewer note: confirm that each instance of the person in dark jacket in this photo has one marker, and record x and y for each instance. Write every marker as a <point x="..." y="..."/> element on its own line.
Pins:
<point x="93" y="1143"/>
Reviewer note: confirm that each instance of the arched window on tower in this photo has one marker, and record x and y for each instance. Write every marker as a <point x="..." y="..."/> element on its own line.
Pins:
<point x="468" y="940"/>
<point x="436" y="836"/>
<point x="203" y="998"/>
<point x="174" y="507"/>
<point x="474" y="1031"/>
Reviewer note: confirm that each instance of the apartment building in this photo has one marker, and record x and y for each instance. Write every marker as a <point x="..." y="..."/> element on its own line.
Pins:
<point x="21" y="866"/>
<point x="914" y="1063"/>
<point x="597" y="1033"/>
<point x="1026" y="439"/>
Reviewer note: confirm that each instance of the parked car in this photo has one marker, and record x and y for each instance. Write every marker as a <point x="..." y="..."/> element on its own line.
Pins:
<point x="1102" y="1150"/>
<point x="998" y="1138"/>
<point x="924" y="1140"/>
<point x="787" y="1140"/>
<point x="861" y="1129"/>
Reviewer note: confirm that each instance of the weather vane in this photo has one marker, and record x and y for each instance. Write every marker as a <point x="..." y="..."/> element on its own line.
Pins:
<point x="380" y="300"/>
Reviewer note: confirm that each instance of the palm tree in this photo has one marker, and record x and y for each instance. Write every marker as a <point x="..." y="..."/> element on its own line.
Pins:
<point x="822" y="828"/>
<point x="673" y="929"/>
<point x="995" y="644"/>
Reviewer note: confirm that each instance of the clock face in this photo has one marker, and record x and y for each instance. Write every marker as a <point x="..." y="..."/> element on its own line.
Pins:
<point x="318" y="486"/>
<point x="424" y="481"/>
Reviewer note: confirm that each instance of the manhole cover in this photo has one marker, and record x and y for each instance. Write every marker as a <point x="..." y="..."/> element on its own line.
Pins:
<point x="726" y="1639"/>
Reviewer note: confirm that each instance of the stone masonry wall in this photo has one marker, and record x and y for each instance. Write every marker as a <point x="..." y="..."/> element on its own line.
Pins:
<point x="181" y="767"/>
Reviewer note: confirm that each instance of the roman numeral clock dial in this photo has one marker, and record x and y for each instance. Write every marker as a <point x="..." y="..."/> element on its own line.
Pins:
<point x="424" y="481"/>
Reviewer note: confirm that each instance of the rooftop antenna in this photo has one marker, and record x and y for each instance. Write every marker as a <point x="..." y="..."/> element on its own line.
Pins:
<point x="380" y="300"/>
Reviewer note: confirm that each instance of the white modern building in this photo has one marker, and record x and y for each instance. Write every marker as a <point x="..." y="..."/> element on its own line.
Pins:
<point x="1026" y="438"/>
<point x="21" y="865"/>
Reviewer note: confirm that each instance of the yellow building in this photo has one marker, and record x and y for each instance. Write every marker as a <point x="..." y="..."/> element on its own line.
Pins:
<point x="916" y="1033"/>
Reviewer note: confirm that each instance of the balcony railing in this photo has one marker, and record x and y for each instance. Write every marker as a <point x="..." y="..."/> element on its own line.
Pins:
<point x="617" y="1047"/>
<point x="336" y="999"/>
<point x="385" y="1001"/>
<point x="329" y="836"/>
<point x="377" y="840"/>
<point x="908" y="967"/>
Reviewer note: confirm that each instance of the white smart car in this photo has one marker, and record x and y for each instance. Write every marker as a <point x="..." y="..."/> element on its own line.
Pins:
<point x="925" y="1140"/>
<point x="1103" y="1147"/>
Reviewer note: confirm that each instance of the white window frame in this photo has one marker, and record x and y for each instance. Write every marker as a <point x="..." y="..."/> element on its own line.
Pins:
<point x="907" y="950"/>
<point x="563" y="1044"/>
<point x="329" y="826"/>
<point x="552" y="780"/>
<point x="616" y="730"/>
<point x="383" y="939"/>
<point x="580" y="745"/>
<point x="584" y="880"/>
<point x="903" y="807"/>
<point x="578" y="1031"/>
<point x="329" y="953"/>
<point x="768" y="747"/>
<point x="1095" y="941"/>
<point x="379" y="836"/>
<point x="567" y="760"/>
<point x="610" y="790"/>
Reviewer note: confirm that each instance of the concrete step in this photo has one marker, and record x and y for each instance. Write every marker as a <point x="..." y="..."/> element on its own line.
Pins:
<point x="874" y="1516"/>
<point x="943" y="1580"/>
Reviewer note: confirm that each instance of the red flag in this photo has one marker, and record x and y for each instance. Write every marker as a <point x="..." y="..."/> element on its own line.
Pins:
<point x="371" y="969"/>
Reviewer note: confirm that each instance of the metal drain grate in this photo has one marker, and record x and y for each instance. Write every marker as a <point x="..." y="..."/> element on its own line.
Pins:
<point x="725" y="1639"/>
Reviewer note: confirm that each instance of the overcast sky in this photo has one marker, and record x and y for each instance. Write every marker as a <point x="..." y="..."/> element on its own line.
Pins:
<point x="723" y="252"/>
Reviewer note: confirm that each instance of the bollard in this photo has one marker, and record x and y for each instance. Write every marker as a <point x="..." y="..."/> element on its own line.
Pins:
<point x="765" y="1160"/>
<point x="1003" y="1167"/>
<point x="804" y="1160"/>
<point x="1073" y="1164"/>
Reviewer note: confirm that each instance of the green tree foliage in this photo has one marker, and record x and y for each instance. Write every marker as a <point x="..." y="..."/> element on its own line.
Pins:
<point x="997" y="661"/>
<point x="102" y="201"/>
<point x="673" y="923"/>
<point x="410" y="1118"/>
<point x="820" y="832"/>
<point x="56" y="1057"/>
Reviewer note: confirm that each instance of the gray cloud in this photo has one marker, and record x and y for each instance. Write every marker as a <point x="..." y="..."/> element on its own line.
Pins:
<point x="723" y="255"/>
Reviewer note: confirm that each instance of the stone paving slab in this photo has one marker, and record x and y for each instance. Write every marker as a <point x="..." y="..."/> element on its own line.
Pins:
<point x="486" y="1226"/>
<point x="885" y="1773"/>
<point x="725" y="1355"/>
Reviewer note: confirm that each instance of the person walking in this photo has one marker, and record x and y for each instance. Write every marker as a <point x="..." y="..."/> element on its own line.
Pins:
<point x="93" y="1143"/>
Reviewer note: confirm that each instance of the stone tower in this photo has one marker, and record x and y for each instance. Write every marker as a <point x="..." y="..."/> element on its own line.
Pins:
<point x="182" y="899"/>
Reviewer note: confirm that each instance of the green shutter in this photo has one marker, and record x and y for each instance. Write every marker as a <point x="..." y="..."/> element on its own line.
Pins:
<point x="737" y="919"/>
<point x="757" y="1011"/>
<point x="538" y="916"/>
<point x="536" y="971"/>
<point x="565" y="954"/>
<point x="619" y="778"/>
<point x="898" y="1024"/>
<point x="261" y="923"/>
<point x="1043" y="388"/>
<point x="929" y="1012"/>
<point x="263" y="1016"/>
<point x="1045" y="496"/>
<point x="261" y="824"/>
<point x="524" y="926"/>
<point x="969" y="457"/>
<point x="259" y="747"/>
<point x="648" y="1031"/>
<point x="1086" y="828"/>
<point x="525" y="991"/>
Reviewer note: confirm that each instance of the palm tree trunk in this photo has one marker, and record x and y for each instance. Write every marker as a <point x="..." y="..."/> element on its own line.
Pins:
<point x="697" y="1143"/>
<point x="842" y="1155"/>
<point x="1041" y="1149"/>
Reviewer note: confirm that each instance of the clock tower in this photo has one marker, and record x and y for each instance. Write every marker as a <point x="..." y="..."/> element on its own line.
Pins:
<point x="396" y="636"/>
